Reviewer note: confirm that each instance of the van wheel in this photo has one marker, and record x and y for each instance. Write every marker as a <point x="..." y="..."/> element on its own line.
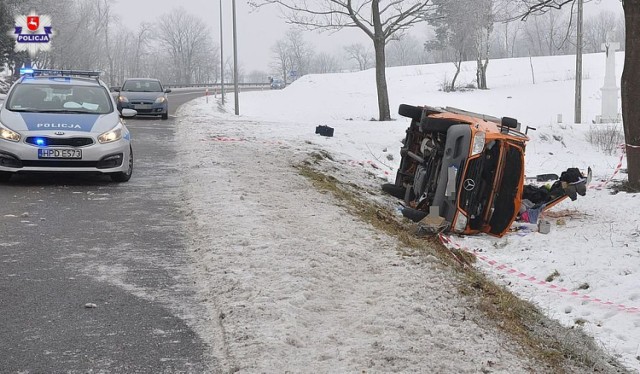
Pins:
<point x="510" y="122"/>
<point x="410" y="111"/>
<point x="124" y="176"/>
<point x="394" y="190"/>
<point x="413" y="214"/>
<point x="5" y="176"/>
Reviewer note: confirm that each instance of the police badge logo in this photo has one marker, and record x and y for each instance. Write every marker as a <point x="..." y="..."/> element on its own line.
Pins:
<point x="33" y="23"/>
<point x="32" y="33"/>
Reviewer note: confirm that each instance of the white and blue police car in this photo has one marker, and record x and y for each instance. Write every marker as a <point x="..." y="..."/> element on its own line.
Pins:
<point x="63" y="121"/>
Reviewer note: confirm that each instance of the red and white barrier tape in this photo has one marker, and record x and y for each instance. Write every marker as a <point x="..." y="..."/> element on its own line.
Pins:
<point x="446" y="241"/>
<point x="370" y="163"/>
<point x="615" y="172"/>
<point x="225" y="139"/>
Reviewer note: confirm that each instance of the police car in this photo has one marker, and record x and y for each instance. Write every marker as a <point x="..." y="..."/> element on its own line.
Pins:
<point x="63" y="121"/>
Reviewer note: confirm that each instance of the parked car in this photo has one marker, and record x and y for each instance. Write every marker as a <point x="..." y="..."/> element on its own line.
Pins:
<point x="465" y="169"/>
<point x="277" y="84"/>
<point x="63" y="121"/>
<point x="145" y="95"/>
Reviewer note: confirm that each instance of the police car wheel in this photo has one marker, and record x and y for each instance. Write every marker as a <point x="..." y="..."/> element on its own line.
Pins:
<point x="165" y="115"/>
<point x="125" y="175"/>
<point x="5" y="176"/>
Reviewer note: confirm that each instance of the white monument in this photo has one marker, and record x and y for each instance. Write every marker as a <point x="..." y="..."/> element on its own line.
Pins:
<point x="610" y="88"/>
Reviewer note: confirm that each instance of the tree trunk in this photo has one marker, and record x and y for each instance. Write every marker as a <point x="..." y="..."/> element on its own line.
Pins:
<point x="479" y="72"/>
<point x="630" y="86"/>
<point x="485" y="63"/>
<point x="379" y="41"/>
<point x="458" y="65"/>
<point x="384" y="114"/>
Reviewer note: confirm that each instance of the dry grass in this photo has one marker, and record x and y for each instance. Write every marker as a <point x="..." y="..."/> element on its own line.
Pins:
<point x="551" y="277"/>
<point x="518" y="318"/>
<point x="607" y="138"/>
<point x="565" y="213"/>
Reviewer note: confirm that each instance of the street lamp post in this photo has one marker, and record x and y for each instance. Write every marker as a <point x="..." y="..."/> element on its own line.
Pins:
<point x="221" y="58"/>
<point x="235" y="60"/>
<point x="578" y="93"/>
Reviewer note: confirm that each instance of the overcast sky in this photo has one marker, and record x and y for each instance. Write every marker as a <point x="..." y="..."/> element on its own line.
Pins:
<point x="259" y="30"/>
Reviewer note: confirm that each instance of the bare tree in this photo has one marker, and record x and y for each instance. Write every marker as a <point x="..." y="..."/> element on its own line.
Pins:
<point x="143" y="36"/>
<point x="281" y="62"/>
<point x="378" y="19"/>
<point x="324" y="63"/>
<point x="483" y="18"/>
<point x="403" y="50"/>
<point x="600" y="29"/>
<point x="206" y="66"/>
<point x="229" y="71"/>
<point x="548" y="33"/>
<point x="103" y="19"/>
<point x="454" y="33"/>
<point x="184" y="35"/>
<point x="360" y="54"/>
<point x="630" y="83"/>
<point x="300" y="53"/>
<point x="509" y="27"/>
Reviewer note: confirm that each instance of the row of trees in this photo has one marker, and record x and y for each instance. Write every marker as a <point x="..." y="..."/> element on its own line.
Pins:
<point x="88" y="35"/>
<point x="462" y="30"/>
<point x="469" y="22"/>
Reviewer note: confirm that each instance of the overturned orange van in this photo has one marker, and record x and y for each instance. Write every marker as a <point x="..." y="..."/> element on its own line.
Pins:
<point x="465" y="168"/>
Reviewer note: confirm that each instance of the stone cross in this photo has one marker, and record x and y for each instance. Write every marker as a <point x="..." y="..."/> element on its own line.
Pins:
<point x="610" y="88"/>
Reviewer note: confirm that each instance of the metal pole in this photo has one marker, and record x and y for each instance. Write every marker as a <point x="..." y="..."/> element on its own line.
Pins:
<point x="578" y="99"/>
<point x="235" y="60"/>
<point x="221" y="57"/>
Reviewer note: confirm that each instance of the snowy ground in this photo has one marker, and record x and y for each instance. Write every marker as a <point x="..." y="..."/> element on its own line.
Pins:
<point x="284" y="281"/>
<point x="302" y="286"/>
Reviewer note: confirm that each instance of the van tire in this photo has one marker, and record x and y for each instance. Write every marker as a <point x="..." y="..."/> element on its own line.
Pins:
<point x="410" y="111"/>
<point x="510" y="122"/>
<point x="394" y="190"/>
<point x="413" y="214"/>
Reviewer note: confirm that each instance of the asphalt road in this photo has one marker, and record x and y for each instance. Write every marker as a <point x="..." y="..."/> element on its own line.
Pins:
<point x="95" y="276"/>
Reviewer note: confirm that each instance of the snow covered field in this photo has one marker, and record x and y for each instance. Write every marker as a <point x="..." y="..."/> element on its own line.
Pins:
<point x="593" y="247"/>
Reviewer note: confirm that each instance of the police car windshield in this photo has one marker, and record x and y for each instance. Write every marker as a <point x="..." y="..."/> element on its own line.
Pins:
<point x="59" y="98"/>
<point x="142" y="86"/>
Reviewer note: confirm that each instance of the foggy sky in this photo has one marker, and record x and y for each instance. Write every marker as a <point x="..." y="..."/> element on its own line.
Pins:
<point x="259" y="30"/>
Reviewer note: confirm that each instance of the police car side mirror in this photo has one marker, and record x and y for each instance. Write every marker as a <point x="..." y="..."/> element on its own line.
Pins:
<point x="167" y="90"/>
<point x="115" y="89"/>
<point x="128" y="113"/>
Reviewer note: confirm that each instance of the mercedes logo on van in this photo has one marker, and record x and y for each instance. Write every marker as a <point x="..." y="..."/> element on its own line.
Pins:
<point x="468" y="184"/>
<point x="59" y="132"/>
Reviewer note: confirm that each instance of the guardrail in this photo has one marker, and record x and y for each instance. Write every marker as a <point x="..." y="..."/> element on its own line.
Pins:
<point x="218" y="85"/>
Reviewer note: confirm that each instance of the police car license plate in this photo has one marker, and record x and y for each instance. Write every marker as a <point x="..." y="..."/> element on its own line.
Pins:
<point x="59" y="153"/>
<point x="142" y="106"/>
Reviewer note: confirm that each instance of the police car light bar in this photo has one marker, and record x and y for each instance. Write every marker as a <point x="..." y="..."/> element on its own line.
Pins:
<point x="81" y="73"/>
